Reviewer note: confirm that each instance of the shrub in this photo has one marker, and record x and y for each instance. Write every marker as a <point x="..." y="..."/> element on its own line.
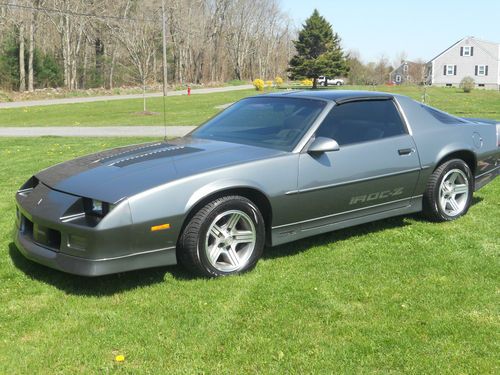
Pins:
<point x="259" y="84"/>
<point x="467" y="84"/>
<point x="306" y="82"/>
<point x="279" y="81"/>
<point x="269" y="83"/>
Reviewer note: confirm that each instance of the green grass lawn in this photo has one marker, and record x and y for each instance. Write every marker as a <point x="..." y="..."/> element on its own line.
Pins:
<point x="181" y="110"/>
<point x="193" y="110"/>
<point x="396" y="296"/>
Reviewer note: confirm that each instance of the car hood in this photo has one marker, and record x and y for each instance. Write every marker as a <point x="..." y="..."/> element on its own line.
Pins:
<point x="122" y="172"/>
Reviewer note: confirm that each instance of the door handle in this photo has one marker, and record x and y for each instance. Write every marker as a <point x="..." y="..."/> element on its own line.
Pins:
<point x="405" y="151"/>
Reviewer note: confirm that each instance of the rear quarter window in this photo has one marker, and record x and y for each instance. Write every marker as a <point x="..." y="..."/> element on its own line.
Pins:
<point x="443" y="117"/>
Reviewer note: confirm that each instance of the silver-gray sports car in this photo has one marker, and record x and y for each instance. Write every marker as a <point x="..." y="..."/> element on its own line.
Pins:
<point x="268" y="170"/>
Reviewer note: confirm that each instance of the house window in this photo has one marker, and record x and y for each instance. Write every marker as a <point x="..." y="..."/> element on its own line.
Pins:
<point x="398" y="78"/>
<point x="481" y="85"/>
<point x="467" y="51"/>
<point x="481" y="70"/>
<point x="450" y="70"/>
<point x="405" y="68"/>
<point x="408" y="78"/>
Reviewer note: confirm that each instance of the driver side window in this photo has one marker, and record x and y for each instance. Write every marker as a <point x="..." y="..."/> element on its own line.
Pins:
<point x="362" y="121"/>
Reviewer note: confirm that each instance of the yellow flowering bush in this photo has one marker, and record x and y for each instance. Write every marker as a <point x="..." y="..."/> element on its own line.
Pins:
<point x="279" y="81"/>
<point x="269" y="83"/>
<point x="259" y="84"/>
<point x="306" y="82"/>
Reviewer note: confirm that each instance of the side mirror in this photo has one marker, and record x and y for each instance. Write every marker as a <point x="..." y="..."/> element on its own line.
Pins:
<point x="323" y="144"/>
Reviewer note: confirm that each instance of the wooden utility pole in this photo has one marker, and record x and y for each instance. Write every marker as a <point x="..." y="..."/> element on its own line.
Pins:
<point x="164" y="42"/>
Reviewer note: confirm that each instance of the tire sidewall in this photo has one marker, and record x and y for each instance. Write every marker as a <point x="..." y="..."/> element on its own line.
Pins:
<point x="448" y="166"/>
<point x="246" y="206"/>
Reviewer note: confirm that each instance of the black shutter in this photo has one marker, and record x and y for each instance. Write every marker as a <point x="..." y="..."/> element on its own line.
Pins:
<point x="472" y="51"/>
<point x="486" y="70"/>
<point x="444" y="72"/>
<point x="461" y="51"/>
<point x="475" y="71"/>
<point x="454" y="70"/>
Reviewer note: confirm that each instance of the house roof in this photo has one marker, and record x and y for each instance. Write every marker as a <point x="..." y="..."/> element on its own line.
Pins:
<point x="405" y="62"/>
<point x="461" y="40"/>
<point x="447" y="49"/>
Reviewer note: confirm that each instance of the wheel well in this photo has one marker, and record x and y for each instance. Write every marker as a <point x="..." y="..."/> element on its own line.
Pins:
<point x="256" y="196"/>
<point x="467" y="156"/>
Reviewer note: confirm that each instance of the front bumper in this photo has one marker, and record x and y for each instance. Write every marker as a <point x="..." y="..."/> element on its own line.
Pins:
<point x="92" y="267"/>
<point x="46" y="233"/>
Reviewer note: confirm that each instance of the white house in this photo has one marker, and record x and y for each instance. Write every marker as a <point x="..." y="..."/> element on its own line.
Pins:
<point x="469" y="57"/>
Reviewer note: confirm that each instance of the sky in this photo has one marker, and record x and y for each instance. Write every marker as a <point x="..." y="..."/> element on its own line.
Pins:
<point x="421" y="28"/>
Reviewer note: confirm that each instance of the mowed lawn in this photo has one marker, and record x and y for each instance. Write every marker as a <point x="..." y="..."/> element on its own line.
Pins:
<point x="180" y="110"/>
<point x="195" y="109"/>
<point x="396" y="296"/>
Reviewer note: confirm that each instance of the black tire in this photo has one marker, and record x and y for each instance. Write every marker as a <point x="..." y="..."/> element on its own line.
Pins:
<point x="192" y="250"/>
<point x="339" y="83"/>
<point x="433" y="207"/>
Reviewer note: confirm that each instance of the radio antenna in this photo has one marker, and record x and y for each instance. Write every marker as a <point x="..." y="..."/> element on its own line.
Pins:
<point x="165" y="75"/>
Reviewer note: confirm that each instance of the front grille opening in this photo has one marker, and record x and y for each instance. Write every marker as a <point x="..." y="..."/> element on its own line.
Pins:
<point x="26" y="226"/>
<point x="44" y="236"/>
<point x="53" y="238"/>
<point x="47" y="237"/>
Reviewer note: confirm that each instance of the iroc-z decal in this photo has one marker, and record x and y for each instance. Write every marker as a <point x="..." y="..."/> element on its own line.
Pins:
<point x="376" y="196"/>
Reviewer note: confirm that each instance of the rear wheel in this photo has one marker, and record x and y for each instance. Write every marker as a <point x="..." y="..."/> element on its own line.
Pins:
<point x="225" y="237"/>
<point x="449" y="191"/>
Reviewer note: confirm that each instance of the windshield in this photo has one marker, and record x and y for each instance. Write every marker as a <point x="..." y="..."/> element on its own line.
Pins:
<point x="271" y="122"/>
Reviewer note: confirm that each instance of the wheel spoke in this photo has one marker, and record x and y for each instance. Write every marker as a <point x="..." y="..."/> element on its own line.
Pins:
<point x="217" y="232"/>
<point x="244" y="236"/>
<point x="453" y="177"/>
<point x="454" y="205"/>
<point x="461" y="189"/>
<point x="234" y="259"/>
<point x="233" y="221"/>
<point x="443" y="202"/>
<point x="214" y="252"/>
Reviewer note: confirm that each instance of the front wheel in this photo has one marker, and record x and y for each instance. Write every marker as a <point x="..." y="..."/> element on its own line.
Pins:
<point x="223" y="238"/>
<point x="449" y="191"/>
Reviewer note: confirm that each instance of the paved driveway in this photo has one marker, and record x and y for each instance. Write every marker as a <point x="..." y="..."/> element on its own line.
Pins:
<point x="34" y="103"/>
<point x="110" y="131"/>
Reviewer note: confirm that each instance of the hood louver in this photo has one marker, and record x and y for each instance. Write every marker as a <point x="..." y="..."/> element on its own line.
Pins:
<point x="152" y="152"/>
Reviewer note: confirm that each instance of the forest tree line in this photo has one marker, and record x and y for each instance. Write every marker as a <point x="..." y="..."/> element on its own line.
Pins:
<point x="79" y="44"/>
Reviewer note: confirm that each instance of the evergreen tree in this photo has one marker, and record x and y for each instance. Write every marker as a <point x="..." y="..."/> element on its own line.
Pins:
<point x="318" y="51"/>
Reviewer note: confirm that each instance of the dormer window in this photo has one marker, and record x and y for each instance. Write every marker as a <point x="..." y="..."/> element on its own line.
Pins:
<point x="466" y="51"/>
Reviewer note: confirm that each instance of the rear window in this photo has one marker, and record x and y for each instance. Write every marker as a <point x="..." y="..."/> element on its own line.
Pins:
<point x="442" y="116"/>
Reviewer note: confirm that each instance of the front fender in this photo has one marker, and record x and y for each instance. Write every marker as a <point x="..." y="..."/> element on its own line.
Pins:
<point x="221" y="185"/>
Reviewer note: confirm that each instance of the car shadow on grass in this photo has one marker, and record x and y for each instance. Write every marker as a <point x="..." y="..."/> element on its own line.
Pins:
<point x="116" y="283"/>
<point x="95" y="286"/>
<point x="340" y="235"/>
<point x="299" y="246"/>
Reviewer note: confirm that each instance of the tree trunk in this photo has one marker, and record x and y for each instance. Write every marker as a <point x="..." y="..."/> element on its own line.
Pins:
<point x="315" y="83"/>
<point x="22" y="69"/>
<point x="112" y="69"/>
<point x="144" y="94"/>
<point x="31" y="51"/>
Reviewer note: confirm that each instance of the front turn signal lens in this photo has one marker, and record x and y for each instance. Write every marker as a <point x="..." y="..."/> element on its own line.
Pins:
<point x="157" y="228"/>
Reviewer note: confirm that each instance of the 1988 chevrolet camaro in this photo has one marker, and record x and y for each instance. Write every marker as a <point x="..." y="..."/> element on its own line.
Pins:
<point x="268" y="170"/>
